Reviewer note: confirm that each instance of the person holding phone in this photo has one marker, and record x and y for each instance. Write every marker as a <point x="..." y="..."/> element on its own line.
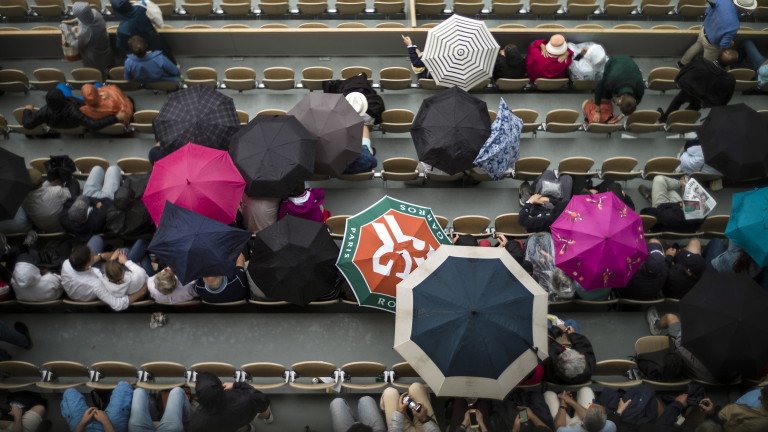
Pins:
<point x="416" y="401"/>
<point x="468" y="414"/>
<point x="527" y="421"/>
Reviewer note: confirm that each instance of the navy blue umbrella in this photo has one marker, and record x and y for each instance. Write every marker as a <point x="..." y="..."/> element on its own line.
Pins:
<point x="195" y="246"/>
<point x="471" y="322"/>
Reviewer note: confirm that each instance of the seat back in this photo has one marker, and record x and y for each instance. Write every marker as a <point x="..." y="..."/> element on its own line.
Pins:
<point x="619" y="164"/>
<point x="336" y="225"/>
<point x="507" y="224"/>
<point x="86" y="164"/>
<point x="163" y="375"/>
<point x="397" y="120"/>
<point x="14" y="80"/>
<point x="349" y="72"/>
<point x="351" y="24"/>
<point x="390" y="25"/>
<point x="240" y="78"/>
<point x="221" y="370"/>
<point x="471" y="224"/>
<point x="395" y="78"/>
<point x="109" y="373"/>
<point x="528" y="168"/>
<point x="627" y="27"/>
<point x="17" y="374"/>
<point x="272" y="112"/>
<point x="74" y="374"/>
<point x="714" y="225"/>
<point x="610" y="373"/>
<point x="275" y="25"/>
<point x="313" y="77"/>
<point x="401" y="165"/>
<point x="242" y="117"/>
<point x="363" y="375"/>
<point x="308" y="375"/>
<point x="577" y="165"/>
<point x="313" y="25"/>
<point x="665" y="27"/>
<point x="550" y="84"/>
<point x="279" y="78"/>
<point x="404" y="375"/>
<point x="265" y="375"/>
<point x="683" y="116"/>
<point x="662" y="165"/>
<point x="47" y="78"/>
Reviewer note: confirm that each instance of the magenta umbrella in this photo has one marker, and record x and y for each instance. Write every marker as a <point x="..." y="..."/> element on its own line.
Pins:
<point x="201" y="179"/>
<point x="599" y="241"/>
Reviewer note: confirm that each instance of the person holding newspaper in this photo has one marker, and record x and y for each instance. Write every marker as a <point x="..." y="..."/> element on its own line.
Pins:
<point x="675" y="212"/>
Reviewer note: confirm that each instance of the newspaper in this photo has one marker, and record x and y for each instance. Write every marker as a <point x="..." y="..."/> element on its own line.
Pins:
<point x="697" y="202"/>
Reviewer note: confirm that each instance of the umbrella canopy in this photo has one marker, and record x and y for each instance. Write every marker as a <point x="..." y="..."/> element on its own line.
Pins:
<point x="337" y="127"/>
<point x="599" y="241"/>
<point x="502" y="149"/>
<point x="14" y="183"/>
<point x="275" y="154"/>
<point x="198" y="178"/>
<point x="197" y="114"/>
<point x="471" y="322"/>
<point x="294" y="260"/>
<point x="747" y="225"/>
<point x="733" y="141"/>
<point x="724" y="324"/>
<point x="460" y="52"/>
<point x="450" y="129"/>
<point x="383" y="244"/>
<point x="195" y="246"/>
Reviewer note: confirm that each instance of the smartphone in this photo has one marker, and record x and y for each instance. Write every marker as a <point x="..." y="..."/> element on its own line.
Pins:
<point x="473" y="420"/>
<point x="523" y="415"/>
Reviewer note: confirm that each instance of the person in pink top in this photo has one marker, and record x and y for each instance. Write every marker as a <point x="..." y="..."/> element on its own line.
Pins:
<point x="548" y="60"/>
<point x="304" y="203"/>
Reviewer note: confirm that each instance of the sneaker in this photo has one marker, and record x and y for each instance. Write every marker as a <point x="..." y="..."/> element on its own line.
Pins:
<point x="31" y="238"/>
<point x="22" y="328"/>
<point x="652" y="315"/>
<point x="525" y="192"/>
<point x="645" y="191"/>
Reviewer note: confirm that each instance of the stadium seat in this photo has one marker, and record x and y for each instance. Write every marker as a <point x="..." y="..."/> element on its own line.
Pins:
<point x="162" y="375"/>
<point x="47" y="78"/>
<point x="643" y="121"/>
<point x="400" y="169"/>
<point x="575" y="165"/>
<point x="105" y="375"/>
<point x="683" y="121"/>
<point x="134" y="165"/>
<point x="350" y="7"/>
<point x="662" y="79"/>
<point x="16" y="375"/>
<point x="612" y="373"/>
<point x="202" y="76"/>
<point x="240" y="79"/>
<point x="474" y="225"/>
<point x="395" y="78"/>
<point x="311" y="375"/>
<point x="142" y="121"/>
<point x="74" y="375"/>
<point x="662" y="165"/>
<point x="562" y="121"/>
<point x="648" y="344"/>
<point x="265" y="376"/>
<point x="279" y="78"/>
<point x="619" y="168"/>
<point x="507" y="224"/>
<point x="312" y="7"/>
<point x="397" y="121"/>
<point x="528" y="168"/>
<point x="363" y="375"/>
<point x="14" y="81"/>
<point x="117" y="77"/>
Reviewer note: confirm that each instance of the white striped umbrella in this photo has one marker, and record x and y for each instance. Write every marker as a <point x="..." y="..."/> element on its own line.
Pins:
<point x="460" y="52"/>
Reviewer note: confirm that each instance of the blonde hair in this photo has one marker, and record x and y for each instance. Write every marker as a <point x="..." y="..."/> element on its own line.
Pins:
<point x="165" y="282"/>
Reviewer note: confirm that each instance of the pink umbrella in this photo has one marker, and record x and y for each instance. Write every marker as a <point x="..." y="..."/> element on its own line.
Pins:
<point x="599" y="241"/>
<point x="198" y="178"/>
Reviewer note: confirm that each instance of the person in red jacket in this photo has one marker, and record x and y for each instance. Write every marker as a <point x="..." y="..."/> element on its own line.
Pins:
<point x="548" y="60"/>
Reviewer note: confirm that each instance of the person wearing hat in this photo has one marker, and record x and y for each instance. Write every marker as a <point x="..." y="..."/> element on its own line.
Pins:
<point x="366" y="161"/>
<point x="721" y="22"/>
<point x="622" y="78"/>
<point x="548" y="60"/>
<point x="84" y="217"/>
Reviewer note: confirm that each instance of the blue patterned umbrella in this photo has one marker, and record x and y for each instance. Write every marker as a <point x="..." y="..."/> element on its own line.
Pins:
<point x="502" y="148"/>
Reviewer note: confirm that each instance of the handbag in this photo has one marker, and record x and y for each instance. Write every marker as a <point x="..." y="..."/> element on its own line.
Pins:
<point x="68" y="36"/>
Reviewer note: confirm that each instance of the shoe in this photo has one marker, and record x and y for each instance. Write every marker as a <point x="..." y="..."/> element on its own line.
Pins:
<point x="22" y="328"/>
<point x="652" y="315"/>
<point x="662" y="117"/>
<point x="645" y="191"/>
<point x="31" y="238"/>
<point x="271" y="417"/>
<point x="680" y="64"/>
<point x="525" y="192"/>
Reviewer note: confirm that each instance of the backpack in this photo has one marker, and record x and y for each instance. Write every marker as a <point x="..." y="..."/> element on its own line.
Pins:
<point x="663" y="365"/>
<point x="643" y="408"/>
<point x="60" y="167"/>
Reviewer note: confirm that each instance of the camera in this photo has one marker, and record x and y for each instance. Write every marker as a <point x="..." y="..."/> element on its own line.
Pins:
<point x="412" y="404"/>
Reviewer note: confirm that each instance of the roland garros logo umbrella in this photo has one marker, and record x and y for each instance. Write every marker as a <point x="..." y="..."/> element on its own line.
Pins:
<point x="383" y="244"/>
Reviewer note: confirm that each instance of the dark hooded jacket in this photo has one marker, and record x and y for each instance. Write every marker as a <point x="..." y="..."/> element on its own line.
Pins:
<point x="511" y="65"/>
<point x="224" y="410"/>
<point x="135" y="22"/>
<point x="64" y="113"/>
<point x="705" y="80"/>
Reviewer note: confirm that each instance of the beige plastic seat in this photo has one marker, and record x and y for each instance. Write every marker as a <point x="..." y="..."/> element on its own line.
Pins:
<point x="627" y="27"/>
<point x="350" y="7"/>
<point x="15" y="375"/>
<point x="529" y="120"/>
<point x="590" y="27"/>
<point x="643" y="121"/>
<point x="691" y="8"/>
<point x="397" y="121"/>
<point x="562" y="121"/>
<point x="363" y="375"/>
<point x="200" y="8"/>
<point x="506" y="7"/>
<point x="268" y="302"/>
<point x="242" y="117"/>
<point x="312" y="78"/>
<point x="714" y="225"/>
<point x="581" y="7"/>
<point x="272" y="112"/>
<point x="663" y="79"/>
<point x="528" y="168"/>
<point x="550" y="84"/>
<point x="474" y="225"/>
<point x="429" y="84"/>
<point x="404" y="375"/>
<point x="265" y="375"/>
<point x="312" y="7"/>
<point x="166" y="8"/>
<point x="430" y="7"/>
<point x="47" y="78"/>
<point x="49" y="8"/>
<point x="142" y="121"/>
<point x="197" y="26"/>
<point x="7" y="29"/>
<point x="583" y="85"/>
<point x="18" y="114"/>
<point x="544" y="7"/>
<point x="603" y="128"/>
<point x="512" y="26"/>
<point x="662" y="165"/>
<point x="648" y="223"/>
<point x="13" y="9"/>
<point x="388" y="7"/>
<point x="351" y="24"/>
<point x="202" y="76"/>
<point x="134" y="165"/>
<point x="612" y="373"/>
<point x="442" y="221"/>
<point x="553" y="26"/>
<point x="236" y="8"/>
<point x="62" y="375"/>
<point x="108" y="373"/>
<point x="163" y="375"/>
<point x="619" y="168"/>
<point x="83" y="304"/>
<point x="274" y="26"/>
<point x="468" y="7"/>
<point x="225" y="371"/>
<point x="336" y="225"/>
<point x="273" y="7"/>
<point x="655" y="7"/>
<point x="349" y="72"/>
<point x="510" y="84"/>
<point x="235" y="26"/>
<point x="481" y="85"/>
<point x="395" y="78"/>
<point x="390" y="25"/>
<point x="166" y="86"/>
<point x="642" y="303"/>
<point x="279" y="78"/>
<point x="14" y="81"/>
<point x="240" y="78"/>
<point x="117" y="77"/>
<point x="507" y="224"/>
<point x="744" y="79"/>
<point x="363" y="176"/>
<point x="648" y="344"/>
<point x="302" y="375"/>
<point x="85" y="164"/>
<point x="81" y="76"/>
<point x="400" y="169"/>
<point x="683" y="121"/>
<point x="575" y="165"/>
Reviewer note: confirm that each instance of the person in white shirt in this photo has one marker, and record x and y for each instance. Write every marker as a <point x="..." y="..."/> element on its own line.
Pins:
<point x="82" y="281"/>
<point x="122" y="276"/>
<point x="165" y="287"/>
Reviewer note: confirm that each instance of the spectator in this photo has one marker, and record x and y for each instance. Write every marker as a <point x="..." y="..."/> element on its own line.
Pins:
<point x="649" y="280"/>
<point x="18" y="224"/>
<point x="105" y="101"/>
<point x="589" y="416"/>
<point x="549" y="197"/>
<point x="704" y="83"/>
<point x="134" y="21"/>
<point x="80" y="417"/>
<point x="510" y="63"/>
<point x="370" y="416"/>
<point x="165" y="287"/>
<point x="64" y="112"/>
<point x="571" y="357"/>
<point x="721" y="22"/>
<point x="44" y="204"/>
<point x="539" y="251"/>
<point x="224" y="289"/>
<point x="685" y="269"/>
<point x="749" y="54"/>
<point x="589" y="61"/>
<point x="730" y="259"/>
<point x="366" y="162"/>
<point x="396" y="411"/>
<point x="458" y="413"/>
<point x="28" y="418"/>
<point x="18" y="335"/>
<point x="177" y="412"/>
<point x="414" y="54"/>
<point x="667" y="204"/>
<point x="548" y="60"/>
<point x="692" y="157"/>
<point x="32" y="283"/>
<point x="147" y="66"/>
<point x="227" y="407"/>
<point x="258" y="213"/>
<point x="304" y="203"/>
<point x="91" y="38"/>
<point x="738" y="417"/>
<point x="86" y="215"/>
<point x="122" y="276"/>
<point x="623" y="79"/>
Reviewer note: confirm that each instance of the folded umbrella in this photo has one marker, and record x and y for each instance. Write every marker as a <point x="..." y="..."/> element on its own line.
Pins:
<point x="14" y="183"/>
<point x="747" y="225"/>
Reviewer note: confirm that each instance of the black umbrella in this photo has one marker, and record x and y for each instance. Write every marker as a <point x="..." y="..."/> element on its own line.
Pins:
<point x="723" y="320"/>
<point x="294" y="260"/>
<point x="275" y="154"/>
<point x="733" y="139"/>
<point x="198" y="115"/>
<point x="14" y="183"/>
<point x="195" y="246"/>
<point x="449" y="130"/>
